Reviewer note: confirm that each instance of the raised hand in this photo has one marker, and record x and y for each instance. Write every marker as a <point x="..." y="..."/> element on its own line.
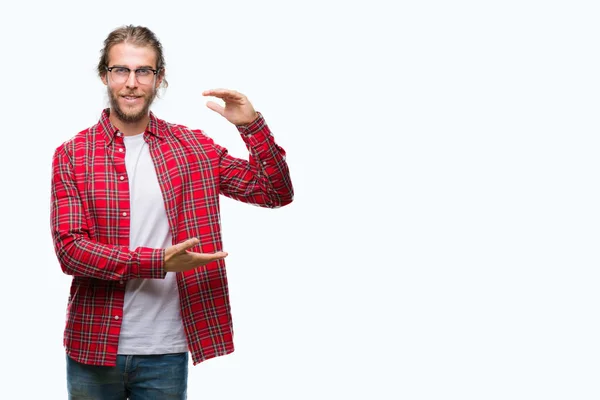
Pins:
<point x="238" y="110"/>
<point x="178" y="258"/>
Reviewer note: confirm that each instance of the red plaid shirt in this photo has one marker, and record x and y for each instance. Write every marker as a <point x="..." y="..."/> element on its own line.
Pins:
<point x="90" y="227"/>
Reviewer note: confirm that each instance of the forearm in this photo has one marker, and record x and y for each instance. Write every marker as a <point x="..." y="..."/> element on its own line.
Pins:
<point x="264" y="179"/>
<point x="80" y="256"/>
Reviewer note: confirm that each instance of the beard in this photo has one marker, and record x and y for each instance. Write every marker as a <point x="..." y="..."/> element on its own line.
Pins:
<point x="130" y="114"/>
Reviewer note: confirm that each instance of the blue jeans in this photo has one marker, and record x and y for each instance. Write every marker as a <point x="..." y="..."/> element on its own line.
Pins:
<point x="134" y="377"/>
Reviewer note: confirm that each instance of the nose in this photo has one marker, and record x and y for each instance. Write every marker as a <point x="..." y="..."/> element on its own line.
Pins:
<point x="131" y="81"/>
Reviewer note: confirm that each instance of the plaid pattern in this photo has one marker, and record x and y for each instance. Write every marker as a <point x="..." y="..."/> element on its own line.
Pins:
<point x="90" y="227"/>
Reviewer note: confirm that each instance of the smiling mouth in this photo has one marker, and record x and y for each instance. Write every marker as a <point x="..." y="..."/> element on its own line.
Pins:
<point x="131" y="98"/>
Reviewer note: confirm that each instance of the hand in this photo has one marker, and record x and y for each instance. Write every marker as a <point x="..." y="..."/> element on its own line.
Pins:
<point x="179" y="259"/>
<point x="238" y="110"/>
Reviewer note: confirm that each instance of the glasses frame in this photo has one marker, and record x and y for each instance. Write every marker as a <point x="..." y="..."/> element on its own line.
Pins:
<point x="154" y="71"/>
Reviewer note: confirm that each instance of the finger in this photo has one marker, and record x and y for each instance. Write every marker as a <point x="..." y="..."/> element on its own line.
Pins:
<point x="215" y="107"/>
<point x="220" y="92"/>
<point x="208" y="257"/>
<point x="223" y="94"/>
<point x="221" y="254"/>
<point x="186" y="245"/>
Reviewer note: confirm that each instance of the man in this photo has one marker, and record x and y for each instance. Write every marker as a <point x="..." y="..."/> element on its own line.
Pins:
<point x="135" y="221"/>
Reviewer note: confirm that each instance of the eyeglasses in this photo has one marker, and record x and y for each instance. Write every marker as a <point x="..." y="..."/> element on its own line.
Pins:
<point x="144" y="76"/>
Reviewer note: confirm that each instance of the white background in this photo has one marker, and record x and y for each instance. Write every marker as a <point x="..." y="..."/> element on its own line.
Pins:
<point x="443" y="241"/>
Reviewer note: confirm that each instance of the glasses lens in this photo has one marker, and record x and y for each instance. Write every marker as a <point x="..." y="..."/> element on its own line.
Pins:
<point x="119" y="75"/>
<point x="144" y="76"/>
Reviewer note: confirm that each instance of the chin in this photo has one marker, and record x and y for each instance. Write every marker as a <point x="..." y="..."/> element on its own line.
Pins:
<point x="137" y="117"/>
<point x="131" y="115"/>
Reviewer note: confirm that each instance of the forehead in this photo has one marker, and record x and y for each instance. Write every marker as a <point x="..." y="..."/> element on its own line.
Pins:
<point x="127" y="54"/>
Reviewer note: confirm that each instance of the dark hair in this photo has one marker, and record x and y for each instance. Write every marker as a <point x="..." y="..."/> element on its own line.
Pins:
<point x="138" y="36"/>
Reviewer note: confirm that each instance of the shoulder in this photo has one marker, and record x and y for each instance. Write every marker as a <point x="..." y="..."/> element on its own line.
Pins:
<point x="185" y="133"/>
<point x="76" y="141"/>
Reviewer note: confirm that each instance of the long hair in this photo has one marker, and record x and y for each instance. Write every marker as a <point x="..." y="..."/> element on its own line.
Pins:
<point x="138" y="36"/>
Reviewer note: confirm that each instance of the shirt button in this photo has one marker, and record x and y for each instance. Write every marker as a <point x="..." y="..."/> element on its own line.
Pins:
<point x="120" y="282"/>
<point x="119" y="133"/>
<point x="264" y="163"/>
<point x="117" y="317"/>
<point x="120" y="150"/>
<point x="124" y="214"/>
<point x="122" y="178"/>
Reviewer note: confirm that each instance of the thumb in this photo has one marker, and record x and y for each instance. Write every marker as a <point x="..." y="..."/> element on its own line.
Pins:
<point x="215" y="107"/>
<point x="186" y="245"/>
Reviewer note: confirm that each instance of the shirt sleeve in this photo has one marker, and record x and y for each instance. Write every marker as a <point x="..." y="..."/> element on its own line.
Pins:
<point x="264" y="179"/>
<point x="77" y="253"/>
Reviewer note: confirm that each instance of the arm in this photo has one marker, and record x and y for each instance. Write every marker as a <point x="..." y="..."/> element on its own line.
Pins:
<point x="264" y="179"/>
<point x="77" y="253"/>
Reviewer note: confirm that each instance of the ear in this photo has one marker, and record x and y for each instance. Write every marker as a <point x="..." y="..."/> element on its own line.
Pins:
<point x="160" y="77"/>
<point x="103" y="77"/>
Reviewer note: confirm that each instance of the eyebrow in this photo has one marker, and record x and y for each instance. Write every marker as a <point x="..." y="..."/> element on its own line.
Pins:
<point x="125" y="66"/>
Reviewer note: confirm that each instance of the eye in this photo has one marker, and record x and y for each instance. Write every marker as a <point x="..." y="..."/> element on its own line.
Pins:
<point x="143" y="72"/>
<point x="121" y="71"/>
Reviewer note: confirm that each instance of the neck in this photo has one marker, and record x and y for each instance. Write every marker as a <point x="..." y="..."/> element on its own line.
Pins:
<point x="129" y="128"/>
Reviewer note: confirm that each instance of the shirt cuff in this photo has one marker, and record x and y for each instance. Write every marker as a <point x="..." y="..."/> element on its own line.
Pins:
<point x="254" y="127"/>
<point x="150" y="264"/>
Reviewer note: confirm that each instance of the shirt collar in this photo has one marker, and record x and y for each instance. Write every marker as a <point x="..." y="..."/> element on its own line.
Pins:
<point x="156" y="127"/>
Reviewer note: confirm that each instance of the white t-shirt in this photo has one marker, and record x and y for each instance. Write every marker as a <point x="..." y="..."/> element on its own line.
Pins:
<point x="151" y="314"/>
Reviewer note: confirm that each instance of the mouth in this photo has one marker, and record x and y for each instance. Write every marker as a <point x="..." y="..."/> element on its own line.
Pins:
<point x="131" y="99"/>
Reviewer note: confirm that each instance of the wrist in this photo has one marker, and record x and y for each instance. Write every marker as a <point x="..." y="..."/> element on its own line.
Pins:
<point x="249" y="122"/>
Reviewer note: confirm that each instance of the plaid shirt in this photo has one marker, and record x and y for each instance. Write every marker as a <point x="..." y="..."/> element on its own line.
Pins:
<point x="90" y="227"/>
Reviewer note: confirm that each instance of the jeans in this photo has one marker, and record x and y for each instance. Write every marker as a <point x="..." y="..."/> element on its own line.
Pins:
<point x="139" y="377"/>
